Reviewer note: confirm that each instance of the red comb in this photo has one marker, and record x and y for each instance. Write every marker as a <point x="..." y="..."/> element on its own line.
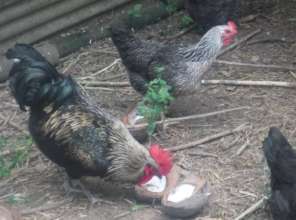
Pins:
<point x="232" y="25"/>
<point x="162" y="157"/>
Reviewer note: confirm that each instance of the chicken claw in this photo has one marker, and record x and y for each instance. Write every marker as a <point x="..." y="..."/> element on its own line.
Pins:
<point x="74" y="185"/>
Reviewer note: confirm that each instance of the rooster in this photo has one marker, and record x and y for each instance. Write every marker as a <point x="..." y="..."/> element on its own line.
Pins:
<point x="281" y="159"/>
<point x="183" y="66"/>
<point x="74" y="133"/>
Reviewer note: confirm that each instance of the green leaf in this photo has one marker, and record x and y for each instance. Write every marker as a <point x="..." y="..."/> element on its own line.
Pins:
<point x="156" y="100"/>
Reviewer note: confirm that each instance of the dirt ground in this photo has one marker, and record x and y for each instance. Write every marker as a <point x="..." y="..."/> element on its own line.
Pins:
<point x="236" y="181"/>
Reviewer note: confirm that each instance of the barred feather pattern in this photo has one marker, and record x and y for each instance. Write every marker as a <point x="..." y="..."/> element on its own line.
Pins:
<point x="185" y="66"/>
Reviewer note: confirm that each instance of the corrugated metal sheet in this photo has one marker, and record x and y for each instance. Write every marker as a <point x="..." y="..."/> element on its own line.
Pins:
<point x="29" y="21"/>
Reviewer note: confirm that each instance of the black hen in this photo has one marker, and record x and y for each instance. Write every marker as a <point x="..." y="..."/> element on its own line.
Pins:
<point x="281" y="159"/>
<point x="209" y="13"/>
<point x="70" y="130"/>
<point x="136" y="54"/>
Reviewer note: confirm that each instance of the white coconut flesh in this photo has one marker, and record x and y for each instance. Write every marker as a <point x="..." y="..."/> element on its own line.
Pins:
<point x="134" y="117"/>
<point x="156" y="184"/>
<point x="181" y="192"/>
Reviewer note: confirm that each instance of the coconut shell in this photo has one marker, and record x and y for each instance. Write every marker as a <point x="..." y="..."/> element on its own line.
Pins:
<point x="139" y="133"/>
<point x="145" y="195"/>
<point x="190" y="206"/>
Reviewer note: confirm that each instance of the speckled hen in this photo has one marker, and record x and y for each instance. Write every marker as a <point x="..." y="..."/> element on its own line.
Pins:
<point x="183" y="66"/>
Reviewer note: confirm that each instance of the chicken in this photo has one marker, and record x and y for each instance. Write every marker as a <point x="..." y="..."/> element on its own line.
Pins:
<point x="74" y="133"/>
<point x="183" y="66"/>
<point x="281" y="159"/>
<point x="208" y="13"/>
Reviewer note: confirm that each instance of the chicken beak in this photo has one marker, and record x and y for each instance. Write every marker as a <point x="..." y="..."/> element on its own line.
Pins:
<point x="158" y="174"/>
<point x="155" y="167"/>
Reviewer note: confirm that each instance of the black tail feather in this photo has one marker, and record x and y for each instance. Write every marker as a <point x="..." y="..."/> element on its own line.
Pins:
<point x="123" y="38"/>
<point x="34" y="81"/>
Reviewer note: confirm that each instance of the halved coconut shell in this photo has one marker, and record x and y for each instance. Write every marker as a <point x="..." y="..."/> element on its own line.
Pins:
<point x="131" y="119"/>
<point x="143" y="194"/>
<point x="189" y="206"/>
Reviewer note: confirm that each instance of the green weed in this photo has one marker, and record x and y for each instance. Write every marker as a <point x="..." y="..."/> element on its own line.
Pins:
<point x="19" y="147"/>
<point x="156" y="100"/>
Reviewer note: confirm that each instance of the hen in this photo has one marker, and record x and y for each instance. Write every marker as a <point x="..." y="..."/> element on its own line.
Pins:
<point x="209" y="13"/>
<point x="183" y="66"/>
<point x="281" y="159"/>
<point x="74" y="133"/>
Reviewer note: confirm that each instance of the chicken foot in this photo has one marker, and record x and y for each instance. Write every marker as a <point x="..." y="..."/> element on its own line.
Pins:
<point x="75" y="185"/>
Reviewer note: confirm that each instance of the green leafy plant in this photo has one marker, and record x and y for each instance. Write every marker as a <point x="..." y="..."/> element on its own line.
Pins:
<point x="186" y="21"/>
<point x="18" y="150"/>
<point x="156" y="100"/>
<point x="135" y="11"/>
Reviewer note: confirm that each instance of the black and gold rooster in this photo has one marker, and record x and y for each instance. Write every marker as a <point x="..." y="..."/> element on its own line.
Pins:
<point x="74" y="133"/>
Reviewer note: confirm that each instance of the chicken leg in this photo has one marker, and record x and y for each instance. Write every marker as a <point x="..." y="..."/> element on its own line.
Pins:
<point x="75" y="185"/>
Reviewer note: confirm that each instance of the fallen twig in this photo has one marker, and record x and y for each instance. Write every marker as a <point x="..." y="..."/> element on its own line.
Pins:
<point x="249" y="83"/>
<point x="172" y="121"/>
<point x="242" y="148"/>
<point x="104" y="84"/>
<point x="206" y="139"/>
<point x="292" y="68"/>
<point x="122" y="215"/>
<point x="74" y="62"/>
<point x="114" y="77"/>
<point x="203" y="154"/>
<point x="251" y="209"/>
<point x="248" y="18"/>
<point x="100" y="71"/>
<point x="105" y="89"/>
<point x="271" y="40"/>
<point x="248" y="193"/>
<point x="293" y="74"/>
<point x="239" y="42"/>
